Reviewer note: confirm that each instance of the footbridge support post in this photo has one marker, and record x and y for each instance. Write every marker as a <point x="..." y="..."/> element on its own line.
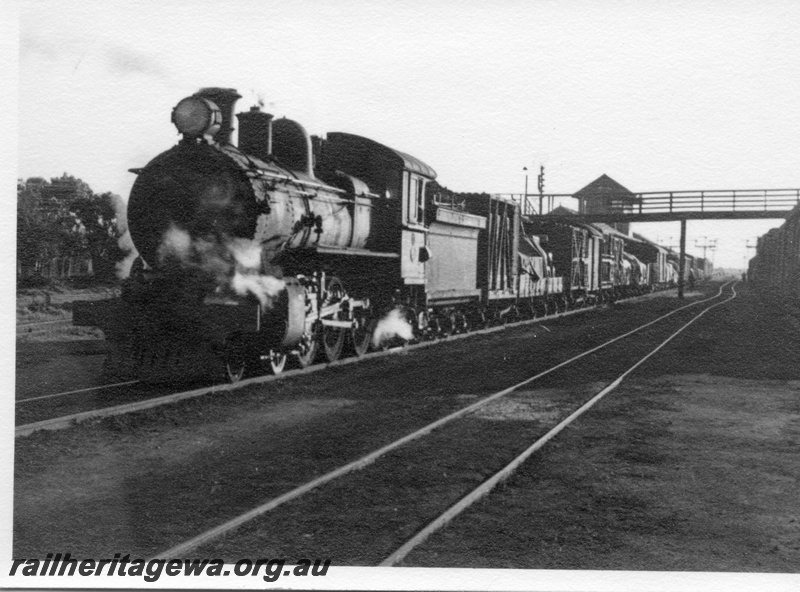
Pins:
<point x="682" y="260"/>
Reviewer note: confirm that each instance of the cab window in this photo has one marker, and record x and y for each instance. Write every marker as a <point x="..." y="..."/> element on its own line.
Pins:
<point x="415" y="200"/>
<point x="421" y="201"/>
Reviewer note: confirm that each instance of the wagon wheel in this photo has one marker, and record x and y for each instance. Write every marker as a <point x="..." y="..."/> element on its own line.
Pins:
<point x="333" y="337"/>
<point x="532" y="308"/>
<point x="235" y="358"/>
<point x="276" y="360"/>
<point x="423" y="327"/>
<point x="512" y="316"/>
<point x="435" y="325"/>
<point x="481" y="319"/>
<point x="361" y="334"/>
<point x="448" y="324"/>
<point x="464" y="326"/>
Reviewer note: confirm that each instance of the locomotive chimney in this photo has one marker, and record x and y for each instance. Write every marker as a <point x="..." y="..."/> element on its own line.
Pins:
<point x="255" y="133"/>
<point x="225" y="99"/>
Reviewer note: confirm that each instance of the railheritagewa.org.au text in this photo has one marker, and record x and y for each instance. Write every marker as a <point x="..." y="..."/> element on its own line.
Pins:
<point x="58" y="564"/>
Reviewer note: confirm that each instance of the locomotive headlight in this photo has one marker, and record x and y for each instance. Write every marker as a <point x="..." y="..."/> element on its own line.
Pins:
<point x="196" y="116"/>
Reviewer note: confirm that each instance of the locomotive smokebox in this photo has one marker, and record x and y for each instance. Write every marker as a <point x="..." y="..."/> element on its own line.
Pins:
<point x="196" y="189"/>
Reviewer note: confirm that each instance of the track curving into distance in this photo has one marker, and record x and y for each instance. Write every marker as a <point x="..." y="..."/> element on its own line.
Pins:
<point x="485" y="487"/>
<point x="211" y="534"/>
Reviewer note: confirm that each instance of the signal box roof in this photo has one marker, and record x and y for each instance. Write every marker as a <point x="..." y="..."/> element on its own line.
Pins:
<point x="605" y="188"/>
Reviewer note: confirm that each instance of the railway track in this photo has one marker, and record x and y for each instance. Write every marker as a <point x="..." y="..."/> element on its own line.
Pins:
<point x="246" y="531"/>
<point x="77" y="391"/>
<point x="62" y="410"/>
<point x="296" y="459"/>
<point x="488" y="485"/>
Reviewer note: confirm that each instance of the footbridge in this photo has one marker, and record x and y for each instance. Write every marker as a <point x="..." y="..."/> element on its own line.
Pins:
<point x="607" y="201"/>
<point x="669" y="206"/>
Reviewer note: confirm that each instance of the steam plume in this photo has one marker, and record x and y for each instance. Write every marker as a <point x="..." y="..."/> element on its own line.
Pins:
<point x="233" y="263"/>
<point x="392" y="325"/>
<point x="124" y="241"/>
<point x="123" y="266"/>
<point x="247" y="278"/>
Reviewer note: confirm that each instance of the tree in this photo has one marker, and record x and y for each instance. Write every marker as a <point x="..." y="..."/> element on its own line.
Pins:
<point x="64" y="218"/>
<point x="97" y="215"/>
<point x="40" y="236"/>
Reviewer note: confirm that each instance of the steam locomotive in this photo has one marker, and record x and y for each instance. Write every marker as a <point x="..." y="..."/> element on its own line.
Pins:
<point x="295" y="248"/>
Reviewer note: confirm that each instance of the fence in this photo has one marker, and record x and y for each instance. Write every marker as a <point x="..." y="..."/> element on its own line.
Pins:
<point x="57" y="267"/>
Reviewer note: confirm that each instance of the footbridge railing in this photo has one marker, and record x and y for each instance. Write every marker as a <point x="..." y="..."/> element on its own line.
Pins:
<point x="778" y="201"/>
<point x="661" y="206"/>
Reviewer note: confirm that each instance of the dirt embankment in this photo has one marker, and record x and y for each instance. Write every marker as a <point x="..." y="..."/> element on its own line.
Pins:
<point x="55" y="302"/>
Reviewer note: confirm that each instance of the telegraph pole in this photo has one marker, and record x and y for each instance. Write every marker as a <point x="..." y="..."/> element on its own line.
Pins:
<point x="670" y="245"/>
<point x="681" y="255"/>
<point x="682" y="261"/>
<point x="707" y="245"/>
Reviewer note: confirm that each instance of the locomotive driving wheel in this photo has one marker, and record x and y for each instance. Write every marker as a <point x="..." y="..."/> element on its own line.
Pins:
<point x="333" y="337"/>
<point x="307" y="348"/>
<point x="361" y="333"/>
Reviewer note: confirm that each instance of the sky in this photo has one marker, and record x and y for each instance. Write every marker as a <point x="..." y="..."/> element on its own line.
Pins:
<point x="658" y="95"/>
